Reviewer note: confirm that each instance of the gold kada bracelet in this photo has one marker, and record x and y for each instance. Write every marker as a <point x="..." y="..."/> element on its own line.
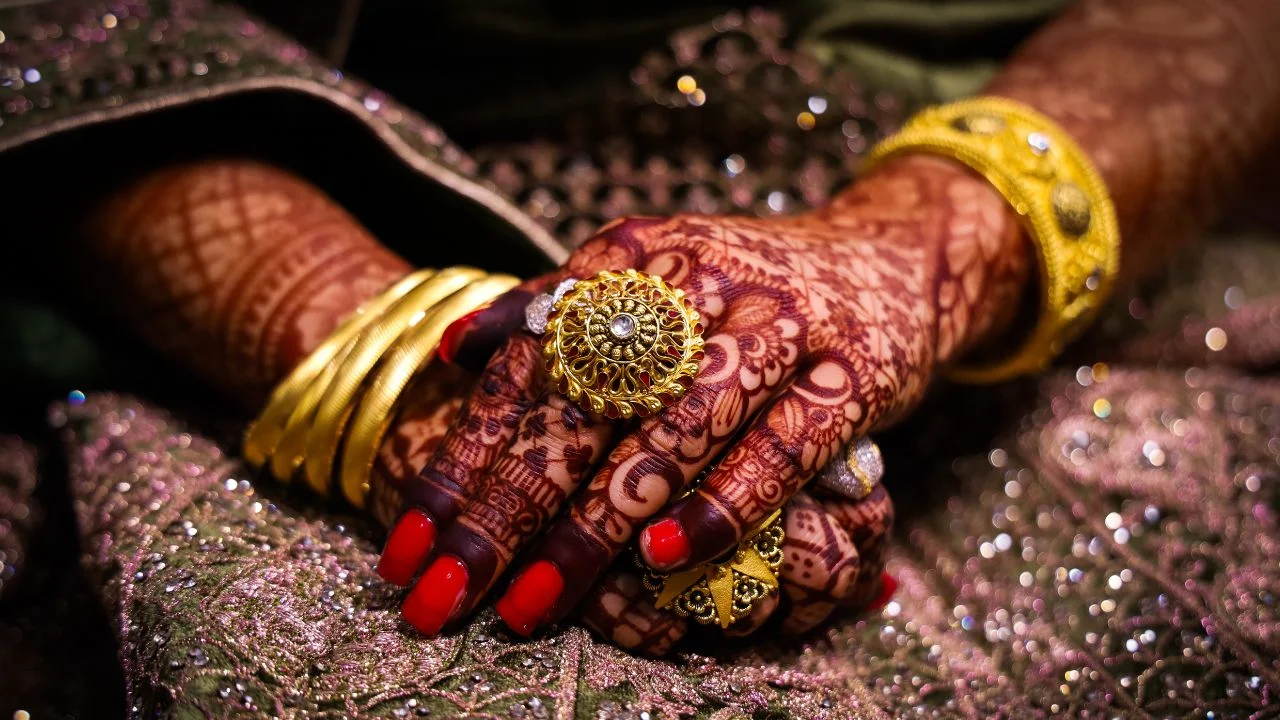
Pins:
<point x="1055" y="188"/>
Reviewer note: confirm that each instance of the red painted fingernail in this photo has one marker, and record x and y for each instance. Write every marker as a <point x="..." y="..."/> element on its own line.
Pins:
<point x="530" y="597"/>
<point x="453" y="335"/>
<point x="665" y="543"/>
<point x="888" y="586"/>
<point x="407" y="547"/>
<point x="437" y="595"/>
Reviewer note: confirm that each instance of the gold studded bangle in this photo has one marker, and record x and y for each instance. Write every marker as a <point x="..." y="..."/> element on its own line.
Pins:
<point x="1054" y="187"/>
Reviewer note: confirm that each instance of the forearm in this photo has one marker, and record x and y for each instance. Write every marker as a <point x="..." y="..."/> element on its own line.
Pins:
<point x="1171" y="99"/>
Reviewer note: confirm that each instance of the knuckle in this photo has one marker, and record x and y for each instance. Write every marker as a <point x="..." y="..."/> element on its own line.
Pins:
<point x="783" y="454"/>
<point x="690" y="418"/>
<point x="563" y="422"/>
<point x="509" y="376"/>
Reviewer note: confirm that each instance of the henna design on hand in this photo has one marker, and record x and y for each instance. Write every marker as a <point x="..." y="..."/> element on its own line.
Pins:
<point x="829" y="324"/>
<point x="821" y="565"/>
<point x="556" y="445"/>
<point x="429" y="409"/>
<point x="869" y="522"/>
<point x="620" y="610"/>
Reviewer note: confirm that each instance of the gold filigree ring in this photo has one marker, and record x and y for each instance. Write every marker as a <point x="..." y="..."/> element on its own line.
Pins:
<point x="622" y="344"/>
<point x="724" y="593"/>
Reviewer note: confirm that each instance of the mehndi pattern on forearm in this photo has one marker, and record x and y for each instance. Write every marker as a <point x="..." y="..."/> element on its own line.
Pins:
<point x="1172" y="99"/>
<point x="236" y="269"/>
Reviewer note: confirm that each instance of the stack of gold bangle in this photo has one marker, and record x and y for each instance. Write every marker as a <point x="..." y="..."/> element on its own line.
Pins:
<point x="327" y="419"/>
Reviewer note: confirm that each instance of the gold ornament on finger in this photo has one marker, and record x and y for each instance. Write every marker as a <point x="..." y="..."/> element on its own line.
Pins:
<point x="724" y="593"/>
<point x="622" y="344"/>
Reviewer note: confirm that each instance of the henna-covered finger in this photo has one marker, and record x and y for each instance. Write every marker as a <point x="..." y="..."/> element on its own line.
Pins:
<point x="620" y="610"/>
<point x="488" y="421"/>
<point x="794" y="437"/>
<point x="554" y="449"/>
<point x="868" y="522"/>
<point x="821" y="564"/>
<point x="471" y="340"/>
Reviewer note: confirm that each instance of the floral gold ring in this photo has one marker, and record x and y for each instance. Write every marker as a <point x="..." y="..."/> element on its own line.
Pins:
<point x="621" y="344"/>
<point x="723" y="593"/>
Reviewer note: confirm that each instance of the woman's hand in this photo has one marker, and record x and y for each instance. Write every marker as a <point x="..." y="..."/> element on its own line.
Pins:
<point x="818" y="329"/>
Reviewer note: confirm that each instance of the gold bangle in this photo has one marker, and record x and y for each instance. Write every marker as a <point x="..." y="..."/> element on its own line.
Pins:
<point x="291" y="449"/>
<point x="264" y="434"/>
<point x="412" y="352"/>
<point x="1061" y="197"/>
<point x="335" y="406"/>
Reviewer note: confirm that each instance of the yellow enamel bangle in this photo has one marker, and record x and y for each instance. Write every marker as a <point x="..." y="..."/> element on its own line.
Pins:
<point x="264" y="433"/>
<point x="380" y="400"/>
<point x="1059" y="194"/>
<point x="338" y="400"/>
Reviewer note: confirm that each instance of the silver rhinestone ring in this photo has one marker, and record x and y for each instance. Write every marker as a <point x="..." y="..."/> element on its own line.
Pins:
<point x="855" y="472"/>
<point x="539" y="308"/>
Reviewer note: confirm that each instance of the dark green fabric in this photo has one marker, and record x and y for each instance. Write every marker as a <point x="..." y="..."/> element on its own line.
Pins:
<point x="923" y="50"/>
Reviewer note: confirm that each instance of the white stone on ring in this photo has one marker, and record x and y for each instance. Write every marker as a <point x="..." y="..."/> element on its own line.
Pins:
<point x="539" y="308"/>
<point x="855" y="472"/>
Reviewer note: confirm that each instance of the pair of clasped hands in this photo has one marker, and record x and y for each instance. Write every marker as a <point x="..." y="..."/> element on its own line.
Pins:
<point x="818" y="330"/>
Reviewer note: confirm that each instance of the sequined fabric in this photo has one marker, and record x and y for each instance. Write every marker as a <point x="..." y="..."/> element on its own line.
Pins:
<point x="19" y="509"/>
<point x="725" y="119"/>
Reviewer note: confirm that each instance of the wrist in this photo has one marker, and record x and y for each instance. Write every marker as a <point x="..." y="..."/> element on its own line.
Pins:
<point x="978" y="257"/>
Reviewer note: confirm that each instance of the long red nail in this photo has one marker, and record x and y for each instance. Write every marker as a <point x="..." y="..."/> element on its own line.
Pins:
<point x="888" y="586"/>
<point x="531" y="597"/>
<point x="665" y="543"/>
<point x="407" y="547"/>
<point x="452" y="335"/>
<point x="437" y="595"/>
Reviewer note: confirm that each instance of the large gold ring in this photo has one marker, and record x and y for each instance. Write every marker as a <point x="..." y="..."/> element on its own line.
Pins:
<point x="724" y="593"/>
<point x="623" y="343"/>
